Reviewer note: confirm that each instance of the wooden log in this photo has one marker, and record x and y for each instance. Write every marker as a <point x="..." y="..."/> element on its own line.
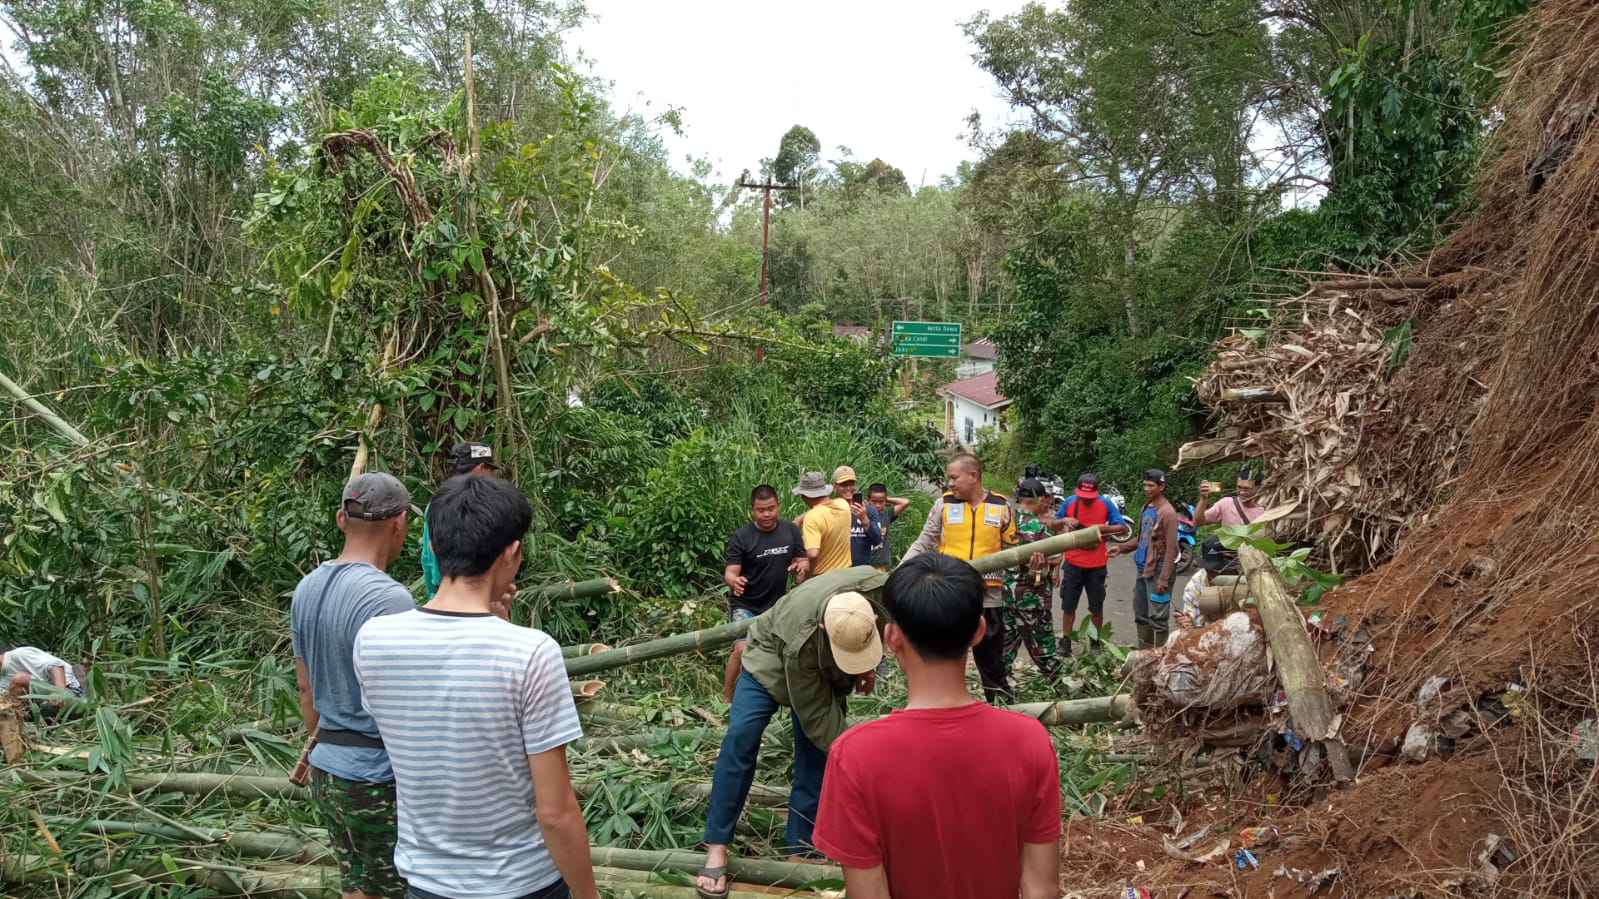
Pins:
<point x="1072" y="712"/>
<point x="766" y="872"/>
<point x="724" y="634"/>
<point x="582" y="649"/>
<point x="1298" y="667"/>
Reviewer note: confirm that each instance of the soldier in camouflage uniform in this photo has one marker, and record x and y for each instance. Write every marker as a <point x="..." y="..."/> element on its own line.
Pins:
<point x="1027" y="591"/>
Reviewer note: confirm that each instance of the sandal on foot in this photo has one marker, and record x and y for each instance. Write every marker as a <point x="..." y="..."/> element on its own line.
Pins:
<point x="716" y="873"/>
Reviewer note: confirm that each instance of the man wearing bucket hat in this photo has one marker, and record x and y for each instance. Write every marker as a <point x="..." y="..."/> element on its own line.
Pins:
<point x="822" y="641"/>
<point x="827" y="523"/>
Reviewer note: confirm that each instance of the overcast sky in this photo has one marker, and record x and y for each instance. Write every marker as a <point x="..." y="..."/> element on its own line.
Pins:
<point x="888" y="78"/>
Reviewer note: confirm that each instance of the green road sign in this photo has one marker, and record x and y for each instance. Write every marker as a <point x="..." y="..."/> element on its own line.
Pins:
<point x="939" y="339"/>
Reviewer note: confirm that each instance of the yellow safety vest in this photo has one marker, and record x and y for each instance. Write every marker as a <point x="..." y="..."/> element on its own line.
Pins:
<point x="977" y="530"/>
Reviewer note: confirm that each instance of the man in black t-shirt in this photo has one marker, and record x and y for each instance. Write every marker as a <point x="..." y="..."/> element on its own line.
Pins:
<point x="760" y="557"/>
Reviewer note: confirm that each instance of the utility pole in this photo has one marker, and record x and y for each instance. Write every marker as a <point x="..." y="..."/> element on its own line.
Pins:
<point x="766" y="234"/>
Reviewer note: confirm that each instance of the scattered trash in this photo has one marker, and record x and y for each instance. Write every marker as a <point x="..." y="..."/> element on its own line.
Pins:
<point x="1585" y="740"/>
<point x="1209" y="857"/>
<point x="1312" y="881"/>
<point x="1432" y="689"/>
<point x="1259" y="837"/>
<point x="1292" y="737"/>
<point x="1136" y="819"/>
<point x="1495" y="855"/>
<point x="1246" y="859"/>
<point x="1136" y="893"/>
<point x="1191" y="839"/>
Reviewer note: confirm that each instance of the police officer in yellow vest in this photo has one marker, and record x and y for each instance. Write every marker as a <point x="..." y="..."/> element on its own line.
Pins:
<point x="967" y="522"/>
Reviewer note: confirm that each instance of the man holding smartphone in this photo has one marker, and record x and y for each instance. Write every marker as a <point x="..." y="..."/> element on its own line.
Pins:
<point x="865" y="528"/>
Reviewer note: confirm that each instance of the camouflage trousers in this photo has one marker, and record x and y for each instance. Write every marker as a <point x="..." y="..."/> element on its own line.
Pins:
<point x="362" y="829"/>
<point x="1027" y="623"/>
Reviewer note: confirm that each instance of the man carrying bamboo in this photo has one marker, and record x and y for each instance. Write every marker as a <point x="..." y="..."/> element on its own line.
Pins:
<point x="813" y="648"/>
<point x="352" y="780"/>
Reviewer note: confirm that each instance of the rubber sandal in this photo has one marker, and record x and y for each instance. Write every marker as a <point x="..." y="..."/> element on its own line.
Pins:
<point x="716" y="873"/>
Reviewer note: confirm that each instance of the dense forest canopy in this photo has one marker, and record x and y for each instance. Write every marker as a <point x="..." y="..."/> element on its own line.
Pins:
<point x="239" y="240"/>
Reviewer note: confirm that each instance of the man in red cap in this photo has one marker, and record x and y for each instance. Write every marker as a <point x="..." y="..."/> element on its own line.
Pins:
<point x="1084" y="569"/>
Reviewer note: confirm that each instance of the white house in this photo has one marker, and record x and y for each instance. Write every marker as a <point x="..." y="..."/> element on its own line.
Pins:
<point x="970" y="404"/>
<point x="977" y="358"/>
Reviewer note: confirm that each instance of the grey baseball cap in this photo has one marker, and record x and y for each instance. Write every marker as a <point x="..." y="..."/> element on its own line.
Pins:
<point x="813" y="484"/>
<point x="377" y="496"/>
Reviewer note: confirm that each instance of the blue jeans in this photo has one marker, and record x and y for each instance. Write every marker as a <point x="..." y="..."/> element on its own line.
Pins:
<point x="752" y="710"/>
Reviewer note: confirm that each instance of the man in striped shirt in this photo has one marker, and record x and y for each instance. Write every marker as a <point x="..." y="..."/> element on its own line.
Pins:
<point x="476" y="713"/>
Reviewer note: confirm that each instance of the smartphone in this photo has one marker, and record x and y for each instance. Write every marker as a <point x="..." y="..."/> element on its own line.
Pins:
<point x="858" y="498"/>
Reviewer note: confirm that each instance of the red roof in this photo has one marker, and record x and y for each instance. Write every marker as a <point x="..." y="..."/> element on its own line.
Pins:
<point x="982" y="390"/>
<point x="981" y="348"/>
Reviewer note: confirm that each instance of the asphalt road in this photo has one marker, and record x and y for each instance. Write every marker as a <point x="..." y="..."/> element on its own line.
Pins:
<point x="1118" y="599"/>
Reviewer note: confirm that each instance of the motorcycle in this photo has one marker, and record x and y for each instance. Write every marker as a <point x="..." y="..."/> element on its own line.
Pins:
<point x="1114" y="494"/>
<point x="1187" y="537"/>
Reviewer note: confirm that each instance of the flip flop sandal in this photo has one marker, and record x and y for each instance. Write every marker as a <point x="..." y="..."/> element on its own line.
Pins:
<point x="716" y="873"/>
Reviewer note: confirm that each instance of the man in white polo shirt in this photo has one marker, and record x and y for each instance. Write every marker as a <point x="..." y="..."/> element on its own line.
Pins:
<point x="476" y="713"/>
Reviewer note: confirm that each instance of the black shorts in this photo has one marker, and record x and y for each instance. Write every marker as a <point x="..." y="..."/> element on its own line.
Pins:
<point x="1074" y="580"/>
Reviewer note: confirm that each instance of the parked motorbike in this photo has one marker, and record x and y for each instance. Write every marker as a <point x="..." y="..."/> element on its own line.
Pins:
<point x="1187" y="537"/>
<point x="1114" y="494"/>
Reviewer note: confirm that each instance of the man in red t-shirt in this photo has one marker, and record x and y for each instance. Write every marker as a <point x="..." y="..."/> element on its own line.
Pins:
<point x="1084" y="569"/>
<point x="949" y="798"/>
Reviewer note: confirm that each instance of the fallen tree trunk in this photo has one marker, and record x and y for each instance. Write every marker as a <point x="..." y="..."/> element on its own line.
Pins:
<point x="766" y="872"/>
<point x="1298" y="667"/>
<point x="1100" y="710"/>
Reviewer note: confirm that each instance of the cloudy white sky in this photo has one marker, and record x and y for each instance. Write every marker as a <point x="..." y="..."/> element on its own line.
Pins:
<point x="888" y="78"/>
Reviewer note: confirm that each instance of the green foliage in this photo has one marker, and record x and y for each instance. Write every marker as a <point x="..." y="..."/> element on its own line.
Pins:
<point x="1291" y="561"/>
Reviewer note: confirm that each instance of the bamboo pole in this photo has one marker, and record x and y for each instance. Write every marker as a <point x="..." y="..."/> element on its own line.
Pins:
<point x="766" y="872"/>
<point x="251" y="844"/>
<point x="582" y="649"/>
<point x="50" y="418"/>
<point x="237" y="786"/>
<point x="1099" y="710"/>
<point x="622" y="881"/>
<point x="565" y="590"/>
<point x="299" y="882"/>
<point x="724" y="634"/>
<point x="1298" y="667"/>
<point x="585" y="690"/>
<point x="641" y="741"/>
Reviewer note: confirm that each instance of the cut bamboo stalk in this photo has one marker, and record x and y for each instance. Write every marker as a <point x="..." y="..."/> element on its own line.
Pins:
<point x="1298" y="667"/>
<point x="564" y="590"/>
<point x="251" y="844"/>
<point x="582" y="649"/>
<point x="723" y="635"/>
<point x="765" y="872"/>
<point x="232" y="785"/>
<point x="621" y="880"/>
<point x="299" y="882"/>
<point x="1072" y="712"/>
<point x="50" y="418"/>
<point x="585" y="690"/>
<point x="1214" y="602"/>
<point x="644" y="740"/>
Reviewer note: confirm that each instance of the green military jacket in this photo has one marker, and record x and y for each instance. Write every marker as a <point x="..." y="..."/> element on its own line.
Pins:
<point x="788" y="653"/>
